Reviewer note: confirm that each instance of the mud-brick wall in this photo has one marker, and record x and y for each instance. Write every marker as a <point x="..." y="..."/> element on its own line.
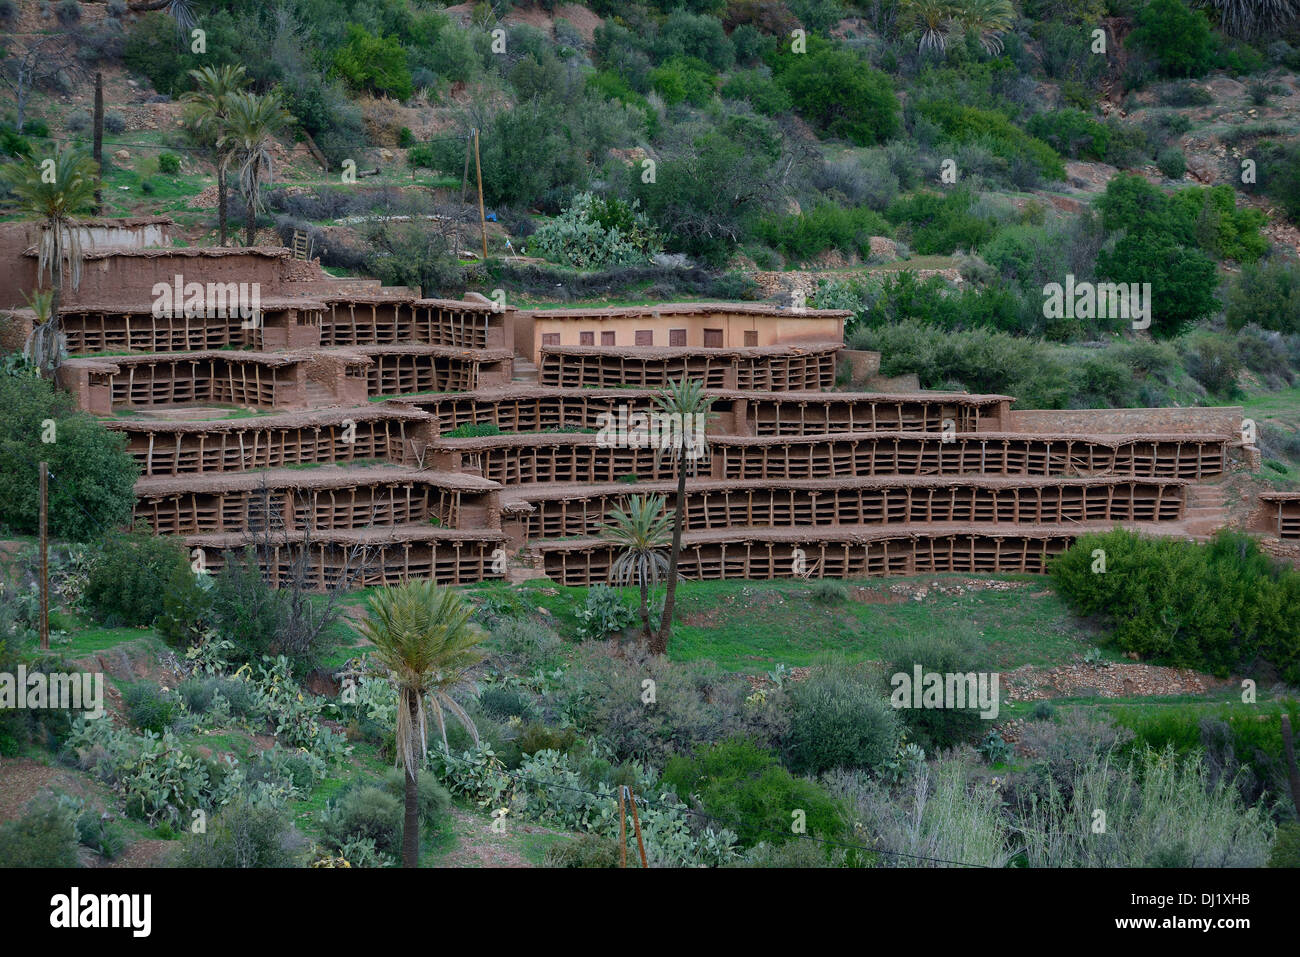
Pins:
<point x="1225" y="420"/>
<point x="129" y="280"/>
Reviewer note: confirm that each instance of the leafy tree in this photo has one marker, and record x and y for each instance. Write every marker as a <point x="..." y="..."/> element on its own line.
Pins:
<point x="93" y="486"/>
<point x="375" y="63"/>
<point x="683" y="79"/>
<point x="1183" y="280"/>
<point x="707" y="189"/>
<point x="840" y="93"/>
<point x="423" y="637"/>
<point x="641" y="531"/>
<point x="1178" y="37"/>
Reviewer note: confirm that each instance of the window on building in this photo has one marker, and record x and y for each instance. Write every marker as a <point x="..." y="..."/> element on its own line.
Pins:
<point x="751" y="337"/>
<point x="586" y="338"/>
<point x="677" y="337"/>
<point x="550" y="338"/>
<point x="607" y="338"/>
<point x="645" y="337"/>
<point x="713" y="338"/>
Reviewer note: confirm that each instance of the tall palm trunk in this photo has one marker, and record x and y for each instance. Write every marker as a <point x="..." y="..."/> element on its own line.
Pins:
<point x="221" y="202"/>
<point x="659" y="645"/>
<point x="645" y="613"/>
<point x="411" y="827"/>
<point x="250" y="228"/>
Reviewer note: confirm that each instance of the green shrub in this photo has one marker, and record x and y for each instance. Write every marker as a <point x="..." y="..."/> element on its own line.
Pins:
<point x="148" y="706"/>
<point x="683" y="79"/>
<point x="169" y="163"/>
<point x="840" y="94"/>
<point x="245" y="834"/>
<point x="966" y="124"/>
<point x="828" y="591"/>
<point x="940" y="223"/>
<point x="745" y="787"/>
<point x="365" y="812"/>
<point x="474" y="430"/>
<point x="937" y="728"/>
<point x="244" y="610"/>
<point x="1267" y="295"/>
<point x="535" y="736"/>
<point x="433" y="803"/>
<point x="529" y="644"/>
<point x="1215" y="364"/>
<point x="421" y="156"/>
<point x="839" y="721"/>
<point x="1179" y="38"/>
<point x="601" y="694"/>
<point x="1071" y="133"/>
<point x="585" y="850"/>
<point x="1286" y="848"/>
<point x="186" y="607"/>
<point x="826" y="226"/>
<point x="374" y="63"/>
<point x="123" y="582"/>
<point x="759" y="90"/>
<point x="45" y="836"/>
<point x="1172" y="162"/>
<point x="506" y="701"/>
<point x="1220" y="607"/>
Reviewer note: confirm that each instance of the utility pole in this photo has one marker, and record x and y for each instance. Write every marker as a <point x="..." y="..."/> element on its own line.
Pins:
<point x="45" y="556"/>
<point x="99" y="141"/>
<point x="482" y="216"/>
<point x="464" y="177"/>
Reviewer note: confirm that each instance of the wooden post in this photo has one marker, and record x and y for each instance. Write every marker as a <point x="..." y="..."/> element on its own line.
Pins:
<point x="482" y="216"/>
<point x="464" y="177"/>
<point x="98" y="149"/>
<point x="45" y="557"/>
<point x="622" y="829"/>
<point x="636" y="823"/>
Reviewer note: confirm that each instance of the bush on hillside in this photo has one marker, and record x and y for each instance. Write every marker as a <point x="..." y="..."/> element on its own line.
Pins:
<point x="1221" y="607"/>
<point x="123" y="586"/>
<point x="838" y="720"/>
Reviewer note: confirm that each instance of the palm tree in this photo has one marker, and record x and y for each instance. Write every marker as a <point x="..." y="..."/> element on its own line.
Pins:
<point x="1249" y="19"/>
<point x="988" y="19"/>
<point x="684" y="401"/>
<point x="642" y="531"/>
<point x="424" y="638"/>
<point x="934" y="19"/>
<point x="206" y="110"/>
<point x="42" y="348"/>
<point x="251" y="125"/>
<point x="52" y="190"/>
